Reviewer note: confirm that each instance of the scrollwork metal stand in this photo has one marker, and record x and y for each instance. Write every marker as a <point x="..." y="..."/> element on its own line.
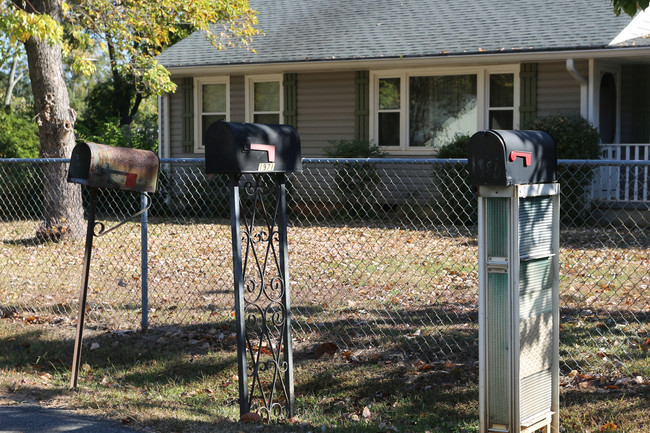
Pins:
<point x="262" y="301"/>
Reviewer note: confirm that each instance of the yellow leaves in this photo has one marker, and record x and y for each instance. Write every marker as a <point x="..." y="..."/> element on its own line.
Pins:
<point x="20" y="25"/>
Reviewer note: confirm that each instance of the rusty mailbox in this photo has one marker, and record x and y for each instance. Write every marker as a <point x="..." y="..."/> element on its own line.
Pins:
<point x="99" y="166"/>
<point x="251" y="148"/>
<point x="509" y="157"/>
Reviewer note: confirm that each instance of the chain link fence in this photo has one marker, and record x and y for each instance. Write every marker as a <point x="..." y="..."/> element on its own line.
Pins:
<point x="383" y="258"/>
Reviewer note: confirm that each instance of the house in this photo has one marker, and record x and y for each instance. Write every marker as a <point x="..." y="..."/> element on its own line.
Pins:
<point x="410" y="74"/>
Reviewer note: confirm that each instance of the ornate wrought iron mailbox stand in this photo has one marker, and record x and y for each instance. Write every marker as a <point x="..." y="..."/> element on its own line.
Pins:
<point x="518" y="280"/>
<point x="101" y="166"/>
<point x="260" y="259"/>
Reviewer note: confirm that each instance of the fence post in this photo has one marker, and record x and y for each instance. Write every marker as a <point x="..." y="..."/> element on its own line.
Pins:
<point x="144" y="255"/>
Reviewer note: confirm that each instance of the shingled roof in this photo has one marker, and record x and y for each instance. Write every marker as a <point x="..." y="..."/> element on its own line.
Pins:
<point x="330" y="30"/>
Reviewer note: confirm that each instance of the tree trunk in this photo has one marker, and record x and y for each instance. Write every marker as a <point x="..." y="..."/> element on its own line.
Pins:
<point x="11" y="83"/>
<point x="63" y="210"/>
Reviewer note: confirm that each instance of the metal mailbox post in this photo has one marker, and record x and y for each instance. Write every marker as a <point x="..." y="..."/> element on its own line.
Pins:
<point x="518" y="280"/>
<point x="261" y="273"/>
<point x="100" y="166"/>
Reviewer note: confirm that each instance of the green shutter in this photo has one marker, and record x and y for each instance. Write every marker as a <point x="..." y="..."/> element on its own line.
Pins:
<point x="187" y="117"/>
<point x="290" y="113"/>
<point x="528" y="102"/>
<point x="361" y="105"/>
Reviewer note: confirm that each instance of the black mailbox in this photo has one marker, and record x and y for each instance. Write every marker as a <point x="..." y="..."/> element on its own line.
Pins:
<point x="102" y="166"/>
<point x="504" y="157"/>
<point x="251" y="148"/>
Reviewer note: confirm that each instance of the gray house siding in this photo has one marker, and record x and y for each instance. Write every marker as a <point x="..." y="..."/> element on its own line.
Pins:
<point x="175" y="120"/>
<point x="557" y="90"/>
<point x="325" y="110"/>
<point x="237" y="98"/>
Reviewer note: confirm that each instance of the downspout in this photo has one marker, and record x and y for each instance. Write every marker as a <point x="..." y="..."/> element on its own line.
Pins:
<point x="584" y="87"/>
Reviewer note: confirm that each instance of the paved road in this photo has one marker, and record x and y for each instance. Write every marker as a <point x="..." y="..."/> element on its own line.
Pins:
<point x="35" y="419"/>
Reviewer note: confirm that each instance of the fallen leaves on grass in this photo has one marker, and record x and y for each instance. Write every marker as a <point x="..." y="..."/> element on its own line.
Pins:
<point x="326" y="349"/>
<point x="250" y="417"/>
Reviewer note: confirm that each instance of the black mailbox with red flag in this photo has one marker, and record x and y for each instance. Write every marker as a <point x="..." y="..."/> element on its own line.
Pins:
<point x="511" y="157"/>
<point x="232" y="147"/>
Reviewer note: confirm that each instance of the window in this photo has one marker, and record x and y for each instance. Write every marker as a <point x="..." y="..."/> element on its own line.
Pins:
<point x="264" y="99"/>
<point x="419" y="112"/>
<point x="441" y="107"/>
<point x="501" y="109"/>
<point x="212" y="104"/>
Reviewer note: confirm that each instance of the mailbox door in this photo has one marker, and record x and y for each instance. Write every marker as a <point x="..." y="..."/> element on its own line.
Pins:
<point x="251" y="148"/>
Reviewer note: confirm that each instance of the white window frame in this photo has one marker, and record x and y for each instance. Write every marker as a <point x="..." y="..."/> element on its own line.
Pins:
<point x="250" y="94"/>
<point x="482" y="100"/>
<point x="198" y="107"/>
<point x="495" y="70"/>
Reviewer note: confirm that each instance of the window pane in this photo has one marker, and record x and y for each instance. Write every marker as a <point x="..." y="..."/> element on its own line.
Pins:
<point x="389" y="94"/>
<point x="266" y="118"/>
<point x="209" y="120"/>
<point x="388" y="129"/>
<point x="214" y="98"/>
<point x="502" y="92"/>
<point x="501" y="119"/>
<point x="267" y="96"/>
<point x="441" y="107"/>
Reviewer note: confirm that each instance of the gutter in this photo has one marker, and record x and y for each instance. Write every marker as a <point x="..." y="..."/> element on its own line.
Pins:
<point x="640" y="53"/>
<point x="584" y="87"/>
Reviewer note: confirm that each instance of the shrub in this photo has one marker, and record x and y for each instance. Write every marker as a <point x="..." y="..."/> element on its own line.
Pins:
<point x="356" y="182"/>
<point x="575" y="138"/>
<point x="18" y="137"/>
<point x="461" y="206"/>
<point x="456" y="148"/>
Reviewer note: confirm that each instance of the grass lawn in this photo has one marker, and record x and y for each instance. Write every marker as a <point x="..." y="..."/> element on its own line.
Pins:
<point x="185" y="380"/>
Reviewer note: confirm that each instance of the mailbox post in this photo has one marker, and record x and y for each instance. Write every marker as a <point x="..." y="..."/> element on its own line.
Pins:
<point x="515" y="172"/>
<point x="100" y="166"/>
<point x="260" y="258"/>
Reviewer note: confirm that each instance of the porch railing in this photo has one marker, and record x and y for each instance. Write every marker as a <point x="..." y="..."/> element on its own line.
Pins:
<point x="624" y="183"/>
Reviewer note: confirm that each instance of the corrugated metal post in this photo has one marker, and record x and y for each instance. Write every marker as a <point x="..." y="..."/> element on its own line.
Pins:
<point x="144" y="255"/>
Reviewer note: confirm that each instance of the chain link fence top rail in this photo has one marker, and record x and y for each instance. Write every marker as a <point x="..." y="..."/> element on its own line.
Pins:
<point x="383" y="258"/>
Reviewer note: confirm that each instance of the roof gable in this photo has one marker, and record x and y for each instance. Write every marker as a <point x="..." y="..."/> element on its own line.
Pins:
<point x="321" y="30"/>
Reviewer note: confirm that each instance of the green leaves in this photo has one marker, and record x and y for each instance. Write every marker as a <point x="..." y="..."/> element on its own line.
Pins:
<point x="630" y="7"/>
<point x="134" y="31"/>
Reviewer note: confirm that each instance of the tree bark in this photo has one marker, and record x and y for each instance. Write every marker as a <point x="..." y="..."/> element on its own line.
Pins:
<point x="63" y="209"/>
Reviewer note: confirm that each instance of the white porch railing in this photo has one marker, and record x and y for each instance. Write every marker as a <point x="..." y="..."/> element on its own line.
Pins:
<point x="623" y="183"/>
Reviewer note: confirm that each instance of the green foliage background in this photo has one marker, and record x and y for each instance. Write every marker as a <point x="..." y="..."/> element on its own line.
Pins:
<point x="18" y="136"/>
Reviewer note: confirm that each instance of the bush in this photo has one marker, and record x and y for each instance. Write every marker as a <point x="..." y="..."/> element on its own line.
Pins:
<point x="461" y="206"/>
<point x="575" y="138"/>
<point x="456" y="148"/>
<point x="355" y="183"/>
<point x="354" y="149"/>
<point x="18" y="137"/>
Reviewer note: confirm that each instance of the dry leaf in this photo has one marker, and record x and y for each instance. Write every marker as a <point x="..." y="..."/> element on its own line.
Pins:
<point x="250" y="417"/>
<point x="366" y="412"/>
<point x="326" y="349"/>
